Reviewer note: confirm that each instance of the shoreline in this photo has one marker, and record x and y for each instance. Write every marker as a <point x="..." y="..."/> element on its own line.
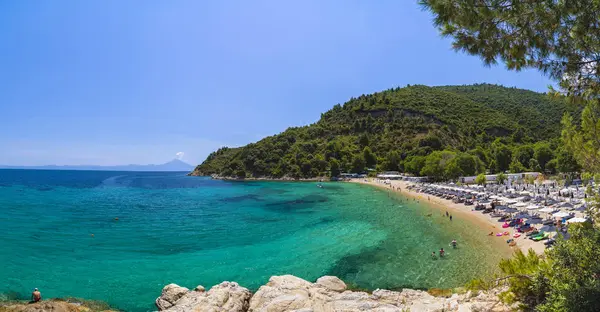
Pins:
<point x="483" y="221"/>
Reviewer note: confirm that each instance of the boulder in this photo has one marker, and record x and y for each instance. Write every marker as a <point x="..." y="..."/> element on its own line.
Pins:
<point x="332" y="283"/>
<point x="227" y="296"/>
<point x="170" y="294"/>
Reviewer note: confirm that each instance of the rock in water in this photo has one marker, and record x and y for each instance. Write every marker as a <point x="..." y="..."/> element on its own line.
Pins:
<point x="227" y="296"/>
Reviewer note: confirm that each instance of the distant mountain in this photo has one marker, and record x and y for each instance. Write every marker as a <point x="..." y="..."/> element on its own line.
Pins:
<point x="173" y="165"/>
<point x="397" y="129"/>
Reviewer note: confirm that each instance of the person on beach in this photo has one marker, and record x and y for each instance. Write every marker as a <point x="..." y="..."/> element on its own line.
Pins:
<point x="36" y="296"/>
<point x="447" y="213"/>
<point x="450" y="217"/>
<point x="442" y="252"/>
<point x="454" y="243"/>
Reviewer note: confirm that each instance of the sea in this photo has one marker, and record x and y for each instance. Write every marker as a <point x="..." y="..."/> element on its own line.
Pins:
<point x="120" y="237"/>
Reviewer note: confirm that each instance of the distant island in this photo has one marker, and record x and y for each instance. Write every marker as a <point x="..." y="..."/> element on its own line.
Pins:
<point x="173" y="165"/>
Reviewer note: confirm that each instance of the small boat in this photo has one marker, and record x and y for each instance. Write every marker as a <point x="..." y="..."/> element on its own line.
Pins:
<point x="516" y="235"/>
<point x="320" y="185"/>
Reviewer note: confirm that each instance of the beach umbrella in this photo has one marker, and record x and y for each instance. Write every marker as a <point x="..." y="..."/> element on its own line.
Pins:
<point x="576" y="220"/>
<point x="510" y="210"/>
<point x="547" y="210"/>
<point x="532" y="207"/>
<point x="561" y="214"/>
<point x="566" y="205"/>
<point x="520" y="205"/>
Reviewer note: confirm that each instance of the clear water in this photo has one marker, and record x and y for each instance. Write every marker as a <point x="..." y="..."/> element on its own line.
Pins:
<point x="195" y="231"/>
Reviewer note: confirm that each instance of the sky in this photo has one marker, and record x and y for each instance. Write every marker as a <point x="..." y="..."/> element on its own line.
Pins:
<point x="145" y="81"/>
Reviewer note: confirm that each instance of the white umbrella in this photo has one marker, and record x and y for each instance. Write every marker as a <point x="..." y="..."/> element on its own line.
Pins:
<point x="561" y="214"/>
<point x="547" y="210"/>
<point x="520" y="205"/>
<point x="533" y="207"/>
<point x="576" y="220"/>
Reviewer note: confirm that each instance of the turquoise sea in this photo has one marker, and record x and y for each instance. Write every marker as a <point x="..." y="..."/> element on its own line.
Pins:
<point x="59" y="233"/>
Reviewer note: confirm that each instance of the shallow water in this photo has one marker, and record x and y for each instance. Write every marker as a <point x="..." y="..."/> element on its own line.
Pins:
<point x="188" y="230"/>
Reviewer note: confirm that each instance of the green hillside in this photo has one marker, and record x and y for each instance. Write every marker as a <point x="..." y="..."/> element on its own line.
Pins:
<point x="437" y="131"/>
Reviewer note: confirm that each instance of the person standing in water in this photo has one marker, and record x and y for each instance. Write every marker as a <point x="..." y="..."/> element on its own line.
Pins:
<point x="442" y="252"/>
<point x="36" y="296"/>
<point x="433" y="255"/>
<point x="450" y="217"/>
<point x="447" y="213"/>
<point x="454" y="243"/>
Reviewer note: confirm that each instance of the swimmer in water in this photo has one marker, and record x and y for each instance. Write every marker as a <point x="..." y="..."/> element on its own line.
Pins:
<point x="442" y="252"/>
<point x="454" y="243"/>
<point x="433" y="255"/>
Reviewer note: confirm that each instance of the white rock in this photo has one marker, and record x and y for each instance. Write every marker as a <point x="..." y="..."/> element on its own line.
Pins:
<point x="170" y="294"/>
<point x="331" y="283"/>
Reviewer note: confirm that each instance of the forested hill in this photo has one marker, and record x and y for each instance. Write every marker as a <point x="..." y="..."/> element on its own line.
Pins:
<point x="479" y="126"/>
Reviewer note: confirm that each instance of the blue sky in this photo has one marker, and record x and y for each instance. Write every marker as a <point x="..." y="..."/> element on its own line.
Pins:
<point x="118" y="82"/>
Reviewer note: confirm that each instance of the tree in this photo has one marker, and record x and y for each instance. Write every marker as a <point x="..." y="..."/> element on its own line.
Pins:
<point x="414" y="165"/>
<point x="502" y="156"/>
<point x="516" y="166"/>
<point x="392" y="161"/>
<point x="334" y="167"/>
<point x="543" y="154"/>
<point x="467" y="164"/>
<point x="559" y="38"/>
<point x="534" y="165"/>
<point x="436" y="165"/>
<point x="552" y="166"/>
<point x="363" y="140"/>
<point x="358" y="164"/>
<point x="481" y="179"/>
<point x="369" y="157"/>
<point x="523" y="154"/>
<point x="501" y="178"/>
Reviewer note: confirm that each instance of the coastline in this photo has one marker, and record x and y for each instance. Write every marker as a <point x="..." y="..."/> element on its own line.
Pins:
<point x="483" y="221"/>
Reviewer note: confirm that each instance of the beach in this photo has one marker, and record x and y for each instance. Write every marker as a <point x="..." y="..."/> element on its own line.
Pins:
<point x="483" y="222"/>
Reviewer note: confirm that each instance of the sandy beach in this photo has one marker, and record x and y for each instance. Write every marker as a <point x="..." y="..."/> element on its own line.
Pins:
<point x="483" y="221"/>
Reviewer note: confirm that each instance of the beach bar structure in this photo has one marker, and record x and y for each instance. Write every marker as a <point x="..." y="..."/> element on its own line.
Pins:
<point x="511" y="177"/>
<point x="390" y="175"/>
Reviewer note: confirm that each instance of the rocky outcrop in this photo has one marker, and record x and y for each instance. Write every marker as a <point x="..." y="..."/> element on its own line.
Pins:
<point x="53" y="305"/>
<point x="327" y="294"/>
<point x="227" y="296"/>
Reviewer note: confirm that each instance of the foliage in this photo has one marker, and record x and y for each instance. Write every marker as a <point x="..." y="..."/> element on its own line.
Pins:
<point x="501" y="178"/>
<point x="543" y="154"/>
<point x="502" y="156"/>
<point x="562" y="40"/>
<point x="516" y="166"/>
<point x="481" y="179"/>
